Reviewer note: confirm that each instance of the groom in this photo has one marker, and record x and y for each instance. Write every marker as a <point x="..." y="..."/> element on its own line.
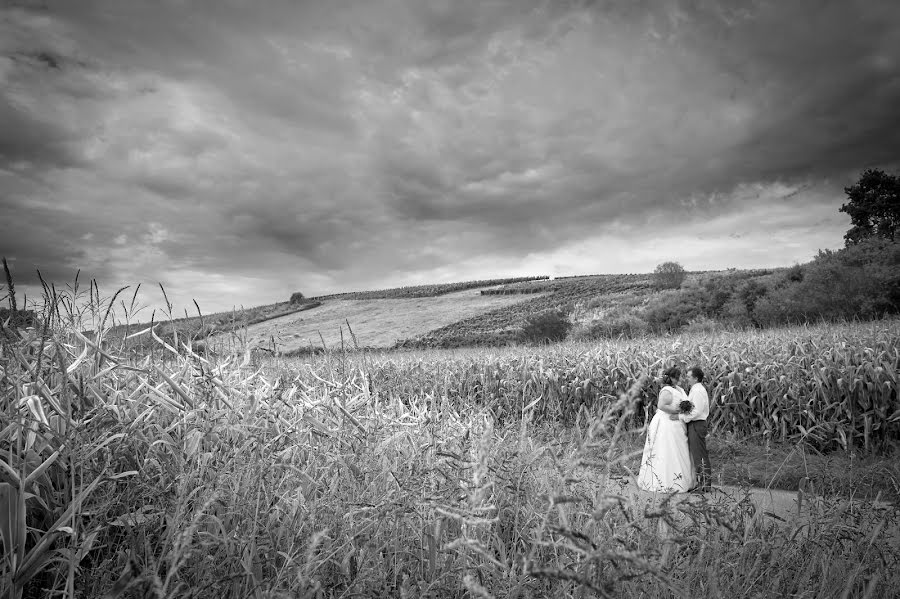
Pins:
<point x="696" y="427"/>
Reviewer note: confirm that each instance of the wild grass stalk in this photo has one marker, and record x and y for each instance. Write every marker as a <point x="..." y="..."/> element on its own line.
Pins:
<point x="10" y="286"/>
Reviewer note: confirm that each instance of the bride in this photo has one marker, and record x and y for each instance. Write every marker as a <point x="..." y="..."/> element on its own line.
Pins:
<point x="666" y="463"/>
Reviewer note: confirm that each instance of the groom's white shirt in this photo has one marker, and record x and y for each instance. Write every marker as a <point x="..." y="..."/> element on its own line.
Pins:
<point x="700" y="398"/>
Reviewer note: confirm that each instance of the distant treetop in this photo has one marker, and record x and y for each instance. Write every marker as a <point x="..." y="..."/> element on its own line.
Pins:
<point x="669" y="275"/>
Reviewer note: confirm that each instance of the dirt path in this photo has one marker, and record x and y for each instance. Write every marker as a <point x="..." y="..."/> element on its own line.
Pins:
<point x="785" y="508"/>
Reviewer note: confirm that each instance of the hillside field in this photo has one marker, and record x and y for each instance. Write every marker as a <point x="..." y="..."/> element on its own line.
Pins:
<point x="376" y="323"/>
<point x="487" y="315"/>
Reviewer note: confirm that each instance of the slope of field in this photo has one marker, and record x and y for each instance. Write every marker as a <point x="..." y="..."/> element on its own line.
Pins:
<point x="473" y="313"/>
<point x="569" y="294"/>
<point x="375" y="322"/>
<point x="483" y="329"/>
<point x="201" y="327"/>
<point x="222" y="323"/>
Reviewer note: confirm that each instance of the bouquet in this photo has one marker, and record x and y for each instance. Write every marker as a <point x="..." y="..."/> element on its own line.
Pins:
<point x="685" y="407"/>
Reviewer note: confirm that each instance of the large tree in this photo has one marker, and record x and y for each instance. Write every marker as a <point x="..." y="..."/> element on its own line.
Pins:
<point x="873" y="206"/>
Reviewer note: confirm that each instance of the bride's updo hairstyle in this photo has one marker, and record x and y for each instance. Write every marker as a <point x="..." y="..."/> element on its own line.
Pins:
<point x="671" y="376"/>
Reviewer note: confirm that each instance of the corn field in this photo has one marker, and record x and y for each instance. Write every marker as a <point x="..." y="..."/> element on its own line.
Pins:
<point x="415" y="474"/>
<point x="828" y="386"/>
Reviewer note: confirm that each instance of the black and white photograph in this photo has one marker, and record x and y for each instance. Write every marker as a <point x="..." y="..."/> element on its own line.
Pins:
<point x="510" y="299"/>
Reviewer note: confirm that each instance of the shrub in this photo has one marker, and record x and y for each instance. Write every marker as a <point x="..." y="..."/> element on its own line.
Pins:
<point x="673" y="309"/>
<point x="859" y="281"/>
<point x="546" y="327"/>
<point x="669" y="275"/>
<point x="717" y="291"/>
<point x="780" y="306"/>
<point x="622" y="325"/>
<point x="748" y="295"/>
<point x="297" y="298"/>
<point x="795" y="273"/>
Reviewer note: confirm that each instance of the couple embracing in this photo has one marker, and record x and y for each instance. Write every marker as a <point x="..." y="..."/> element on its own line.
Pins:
<point x="675" y="457"/>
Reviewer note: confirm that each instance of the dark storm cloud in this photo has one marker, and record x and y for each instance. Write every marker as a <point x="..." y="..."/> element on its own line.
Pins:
<point x="788" y="90"/>
<point x="32" y="242"/>
<point x="216" y="145"/>
<point x="26" y="139"/>
<point x="825" y="79"/>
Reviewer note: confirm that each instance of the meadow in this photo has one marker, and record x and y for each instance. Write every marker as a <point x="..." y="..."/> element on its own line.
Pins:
<point x="475" y="473"/>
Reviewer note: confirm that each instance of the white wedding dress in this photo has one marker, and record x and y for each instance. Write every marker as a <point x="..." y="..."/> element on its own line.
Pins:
<point x="666" y="464"/>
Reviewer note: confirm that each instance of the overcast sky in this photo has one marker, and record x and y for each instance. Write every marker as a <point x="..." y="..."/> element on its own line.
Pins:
<point x="238" y="151"/>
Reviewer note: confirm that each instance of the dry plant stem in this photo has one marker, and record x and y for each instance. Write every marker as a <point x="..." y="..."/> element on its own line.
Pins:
<point x="10" y="287"/>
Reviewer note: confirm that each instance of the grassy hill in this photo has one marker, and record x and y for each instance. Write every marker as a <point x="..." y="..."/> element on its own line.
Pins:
<point x="475" y="313"/>
<point x="193" y="328"/>
<point x="487" y="315"/>
<point x="375" y="323"/>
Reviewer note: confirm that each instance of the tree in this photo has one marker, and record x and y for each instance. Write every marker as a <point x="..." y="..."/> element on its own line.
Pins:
<point x="546" y="327"/>
<point x="669" y="275"/>
<point x="297" y="298"/>
<point x="873" y="206"/>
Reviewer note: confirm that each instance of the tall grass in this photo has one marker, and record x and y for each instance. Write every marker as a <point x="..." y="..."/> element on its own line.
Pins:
<point x="204" y="477"/>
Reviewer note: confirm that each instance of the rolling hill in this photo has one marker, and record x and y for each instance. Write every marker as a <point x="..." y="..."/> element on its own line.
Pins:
<point x="474" y="313"/>
<point x="376" y="323"/>
<point x="488" y="315"/>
